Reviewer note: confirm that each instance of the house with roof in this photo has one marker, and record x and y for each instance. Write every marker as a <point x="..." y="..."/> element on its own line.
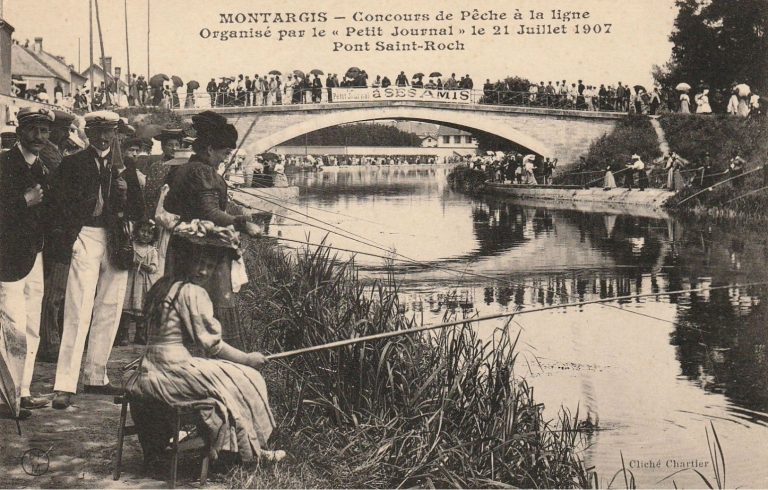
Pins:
<point x="32" y="66"/>
<point x="428" y="140"/>
<point x="455" y="139"/>
<point x="104" y="75"/>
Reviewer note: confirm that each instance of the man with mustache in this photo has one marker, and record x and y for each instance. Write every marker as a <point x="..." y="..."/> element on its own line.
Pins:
<point x="23" y="216"/>
<point x="94" y="194"/>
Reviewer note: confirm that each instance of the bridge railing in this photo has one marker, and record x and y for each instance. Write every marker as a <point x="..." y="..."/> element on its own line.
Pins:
<point x="309" y="97"/>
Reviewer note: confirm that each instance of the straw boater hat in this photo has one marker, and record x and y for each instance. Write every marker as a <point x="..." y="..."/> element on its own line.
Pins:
<point x="102" y="119"/>
<point x="170" y="134"/>
<point x="28" y="116"/>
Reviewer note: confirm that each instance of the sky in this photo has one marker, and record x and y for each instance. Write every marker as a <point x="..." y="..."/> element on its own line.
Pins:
<point x="638" y="38"/>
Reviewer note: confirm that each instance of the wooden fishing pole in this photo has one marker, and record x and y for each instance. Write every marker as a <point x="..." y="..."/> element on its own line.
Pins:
<point x="747" y="194"/>
<point x="103" y="56"/>
<point x="127" y="48"/>
<point x="397" y="333"/>
<point x="90" y="39"/>
<point x="720" y="183"/>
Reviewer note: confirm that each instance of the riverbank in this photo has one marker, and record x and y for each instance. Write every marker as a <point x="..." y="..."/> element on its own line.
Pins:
<point x="418" y="410"/>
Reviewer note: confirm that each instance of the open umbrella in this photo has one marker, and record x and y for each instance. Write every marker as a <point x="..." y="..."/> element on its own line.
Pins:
<point x="178" y="82"/>
<point x="639" y="88"/>
<point x="418" y="75"/>
<point x="270" y="157"/>
<point x="352" y="72"/>
<point x="317" y="72"/>
<point x="275" y="72"/>
<point x="148" y="131"/>
<point x="193" y="84"/>
<point x="158" y="80"/>
<point x="742" y="89"/>
<point x="299" y="73"/>
<point x="682" y="87"/>
<point x="435" y="74"/>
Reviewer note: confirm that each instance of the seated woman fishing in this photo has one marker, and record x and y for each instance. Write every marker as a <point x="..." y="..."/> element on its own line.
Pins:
<point x="179" y="317"/>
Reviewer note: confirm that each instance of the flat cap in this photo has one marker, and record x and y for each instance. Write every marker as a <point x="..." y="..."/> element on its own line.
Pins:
<point x="28" y="115"/>
<point x="101" y="119"/>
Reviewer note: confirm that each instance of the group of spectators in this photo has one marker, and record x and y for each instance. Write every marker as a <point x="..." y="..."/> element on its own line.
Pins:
<point x="516" y="168"/>
<point x="320" y="161"/>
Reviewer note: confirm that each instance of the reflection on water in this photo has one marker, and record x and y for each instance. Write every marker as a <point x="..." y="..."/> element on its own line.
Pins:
<point x="655" y="369"/>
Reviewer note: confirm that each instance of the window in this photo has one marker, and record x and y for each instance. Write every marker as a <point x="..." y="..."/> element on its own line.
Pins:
<point x="468" y="140"/>
<point x="446" y="139"/>
<point x="457" y="139"/>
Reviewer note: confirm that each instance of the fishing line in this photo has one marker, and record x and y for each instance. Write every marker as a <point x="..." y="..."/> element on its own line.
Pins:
<point x="395" y="333"/>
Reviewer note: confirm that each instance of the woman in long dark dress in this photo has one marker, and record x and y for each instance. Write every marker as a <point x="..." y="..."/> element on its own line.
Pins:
<point x="198" y="192"/>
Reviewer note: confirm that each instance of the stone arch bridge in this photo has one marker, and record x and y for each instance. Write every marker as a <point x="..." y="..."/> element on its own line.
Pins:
<point x="563" y="134"/>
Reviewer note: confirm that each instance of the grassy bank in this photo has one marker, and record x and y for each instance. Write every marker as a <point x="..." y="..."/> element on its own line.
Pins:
<point x="632" y="135"/>
<point x="720" y="135"/>
<point x="441" y="410"/>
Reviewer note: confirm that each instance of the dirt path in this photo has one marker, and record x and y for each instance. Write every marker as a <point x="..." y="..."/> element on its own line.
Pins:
<point x="80" y="441"/>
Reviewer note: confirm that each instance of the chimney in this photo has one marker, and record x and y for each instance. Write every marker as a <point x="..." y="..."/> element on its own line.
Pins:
<point x="38" y="45"/>
<point x="118" y="72"/>
<point x="107" y="64"/>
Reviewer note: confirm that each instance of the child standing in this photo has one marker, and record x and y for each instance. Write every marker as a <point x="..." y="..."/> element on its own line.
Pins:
<point x="145" y="259"/>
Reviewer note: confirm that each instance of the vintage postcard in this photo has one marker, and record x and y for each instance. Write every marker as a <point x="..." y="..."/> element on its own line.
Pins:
<point x="336" y="244"/>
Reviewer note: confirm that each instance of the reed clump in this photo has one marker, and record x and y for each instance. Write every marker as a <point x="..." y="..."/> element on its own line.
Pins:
<point x="433" y="410"/>
<point x="465" y="179"/>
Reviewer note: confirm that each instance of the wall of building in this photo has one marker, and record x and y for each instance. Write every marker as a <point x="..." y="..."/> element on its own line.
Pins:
<point x="5" y="58"/>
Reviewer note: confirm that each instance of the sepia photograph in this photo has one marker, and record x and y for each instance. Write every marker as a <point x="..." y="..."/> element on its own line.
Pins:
<point x="401" y="244"/>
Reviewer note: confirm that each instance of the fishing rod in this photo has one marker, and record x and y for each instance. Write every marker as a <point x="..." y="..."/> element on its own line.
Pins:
<point x="397" y="333"/>
<point x="720" y="183"/>
<point x="747" y="194"/>
<point x="413" y="261"/>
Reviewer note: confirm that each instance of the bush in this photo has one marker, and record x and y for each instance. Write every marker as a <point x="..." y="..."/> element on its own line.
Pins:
<point x="440" y="409"/>
<point x="633" y="134"/>
<point x="463" y="178"/>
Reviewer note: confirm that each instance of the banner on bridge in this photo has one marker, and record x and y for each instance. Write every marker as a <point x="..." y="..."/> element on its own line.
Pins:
<point x="401" y="93"/>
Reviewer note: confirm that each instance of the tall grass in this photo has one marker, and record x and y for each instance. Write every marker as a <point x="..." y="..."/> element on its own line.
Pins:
<point x="437" y="410"/>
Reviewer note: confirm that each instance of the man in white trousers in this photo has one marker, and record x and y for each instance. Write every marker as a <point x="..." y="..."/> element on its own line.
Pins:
<point x="23" y="216"/>
<point x="93" y="193"/>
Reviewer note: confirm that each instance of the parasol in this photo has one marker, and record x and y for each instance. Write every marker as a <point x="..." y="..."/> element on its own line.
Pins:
<point x="158" y="80"/>
<point x="275" y="72"/>
<point x="269" y="156"/>
<point x="148" y="131"/>
<point x="13" y="353"/>
<point x="742" y="89"/>
<point x="317" y="72"/>
<point x="193" y="84"/>
<point x="178" y="82"/>
<point x="352" y="72"/>
<point x="418" y="75"/>
<point x="682" y="87"/>
<point x="639" y="88"/>
<point x="435" y="74"/>
<point x="299" y="73"/>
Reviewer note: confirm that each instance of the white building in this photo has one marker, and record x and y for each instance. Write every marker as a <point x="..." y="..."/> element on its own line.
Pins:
<point x="455" y="139"/>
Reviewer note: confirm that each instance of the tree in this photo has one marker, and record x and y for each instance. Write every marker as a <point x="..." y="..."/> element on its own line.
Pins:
<point x="718" y="43"/>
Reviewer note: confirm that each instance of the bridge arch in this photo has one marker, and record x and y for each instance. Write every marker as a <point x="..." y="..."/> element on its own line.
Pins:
<point x="258" y="142"/>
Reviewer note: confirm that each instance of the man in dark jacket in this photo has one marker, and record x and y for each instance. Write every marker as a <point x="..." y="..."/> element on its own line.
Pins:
<point x="96" y="192"/>
<point x="23" y="216"/>
<point x="211" y="89"/>
<point x="56" y="263"/>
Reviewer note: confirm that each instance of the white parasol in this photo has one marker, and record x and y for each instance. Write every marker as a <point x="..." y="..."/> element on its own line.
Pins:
<point x="682" y="87"/>
<point x="742" y="89"/>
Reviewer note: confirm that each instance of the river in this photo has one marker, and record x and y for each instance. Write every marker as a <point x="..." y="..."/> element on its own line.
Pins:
<point x="654" y="371"/>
